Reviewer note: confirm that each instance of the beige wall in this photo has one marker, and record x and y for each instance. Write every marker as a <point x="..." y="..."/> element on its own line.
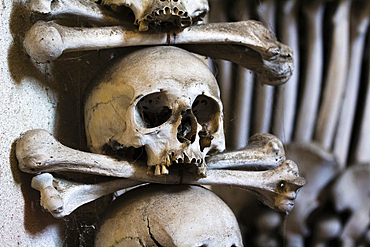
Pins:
<point x="24" y="104"/>
<point x="35" y="96"/>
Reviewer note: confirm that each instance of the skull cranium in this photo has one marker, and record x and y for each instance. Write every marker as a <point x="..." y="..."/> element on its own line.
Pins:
<point x="164" y="13"/>
<point x="162" y="98"/>
<point x="165" y="215"/>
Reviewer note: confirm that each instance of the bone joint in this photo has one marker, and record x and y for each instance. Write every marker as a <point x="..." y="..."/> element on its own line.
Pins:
<point x="50" y="197"/>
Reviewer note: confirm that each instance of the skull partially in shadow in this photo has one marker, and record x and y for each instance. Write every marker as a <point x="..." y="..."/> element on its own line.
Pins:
<point x="164" y="13"/>
<point x="169" y="215"/>
<point x="162" y="98"/>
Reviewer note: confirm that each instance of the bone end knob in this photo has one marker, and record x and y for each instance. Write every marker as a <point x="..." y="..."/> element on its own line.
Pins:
<point x="50" y="197"/>
<point x="40" y="6"/>
<point x="43" y="42"/>
<point x="32" y="149"/>
<point x="289" y="185"/>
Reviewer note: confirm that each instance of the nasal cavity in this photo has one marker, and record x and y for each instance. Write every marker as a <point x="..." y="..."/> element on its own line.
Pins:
<point x="187" y="130"/>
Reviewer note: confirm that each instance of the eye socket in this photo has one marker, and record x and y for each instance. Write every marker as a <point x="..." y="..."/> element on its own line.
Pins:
<point x="207" y="112"/>
<point x="153" y="110"/>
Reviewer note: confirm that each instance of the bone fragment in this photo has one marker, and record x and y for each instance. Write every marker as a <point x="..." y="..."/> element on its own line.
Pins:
<point x="360" y="16"/>
<point x="82" y="9"/>
<point x="73" y="195"/>
<point x="336" y="76"/>
<point x="264" y="94"/>
<point x="285" y="107"/>
<point x="246" y="43"/>
<point x="313" y="71"/>
<point x="50" y="197"/>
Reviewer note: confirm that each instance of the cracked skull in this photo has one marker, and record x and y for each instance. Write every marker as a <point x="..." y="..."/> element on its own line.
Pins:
<point x="167" y="215"/>
<point x="164" y="13"/>
<point x="162" y="98"/>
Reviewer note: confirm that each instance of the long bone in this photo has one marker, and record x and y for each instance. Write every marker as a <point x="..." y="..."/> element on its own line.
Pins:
<point x="264" y="94"/>
<point x="68" y="195"/>
<point x="306" y="115"/>
<point x="277" y="188"/>
<point x="360" y="17"/>
<point x="336" y="76"/>
<point x="361" y="155"/>
<point x="264" y="151"/>
<point x="38" y="151"/>
<point x="243" y="91"/>
<point x="50" y="197"/>
<point x="246" y="43"/>
<point x="219" y="14"/>
<point x="88" y="10"/>
<point x="285" y="106"/>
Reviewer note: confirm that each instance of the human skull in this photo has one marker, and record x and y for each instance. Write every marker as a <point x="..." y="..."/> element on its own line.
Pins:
<point x="162" y="98"/>
<point x="164" y="13"/>
<point x="169" y="215"/>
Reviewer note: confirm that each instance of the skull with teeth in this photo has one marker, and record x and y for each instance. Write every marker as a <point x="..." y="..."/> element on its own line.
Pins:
<point x="162" y="98"/>
<point x="164" y="13"/>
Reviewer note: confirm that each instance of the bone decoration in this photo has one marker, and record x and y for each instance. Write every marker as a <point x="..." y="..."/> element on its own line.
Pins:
<point x="336" y="76"/>
<point x="174" y="117"/>
<point x="263" y="151"/>
<point x="37" y="151"/>
<point x="160" y="215"/>
<point x="164" y="13"/>
<point x="175" y="114"/>
<point x="61" y="197"/>
<point x="79" y="9"/>
<point x="306" y="114"/>
<point x="246" y="43"/>
<point x="157" y="14"/>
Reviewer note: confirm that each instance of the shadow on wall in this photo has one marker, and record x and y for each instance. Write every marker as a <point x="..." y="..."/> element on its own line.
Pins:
<point x="65" y="78"/>
<point x="64" y="82"/>
<point x="32" y="213"/>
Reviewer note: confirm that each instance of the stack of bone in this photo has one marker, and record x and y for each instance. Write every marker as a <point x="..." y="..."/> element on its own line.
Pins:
<point x="246" y="43"/>
<point x="322" y="115"/>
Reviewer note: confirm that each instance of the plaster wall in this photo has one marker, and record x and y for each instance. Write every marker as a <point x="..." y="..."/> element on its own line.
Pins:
<point x="25" y="103"/>
<point x="32" y="95"/>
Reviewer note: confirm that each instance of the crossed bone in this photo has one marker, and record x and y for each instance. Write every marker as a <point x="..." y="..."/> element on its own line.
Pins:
<point x="247" y="43"/>
<point x="38" y="151"/>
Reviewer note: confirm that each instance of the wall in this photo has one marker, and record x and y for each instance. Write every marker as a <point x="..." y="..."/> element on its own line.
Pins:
<point x="32" y="95"/>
